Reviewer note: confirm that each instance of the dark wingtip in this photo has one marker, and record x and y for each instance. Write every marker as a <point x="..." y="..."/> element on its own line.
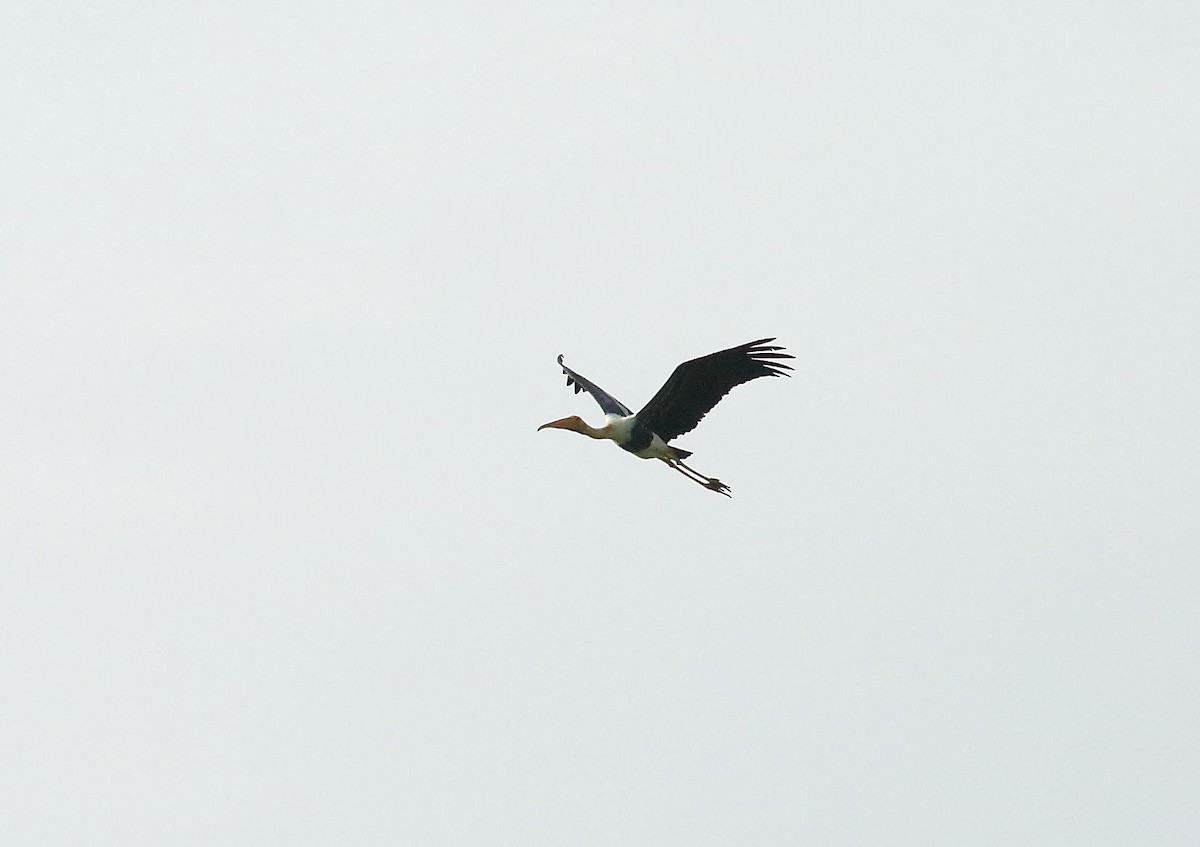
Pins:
<point x="762" y="352"/>
<point x="763" y="346"/>
<point x="560" y="357"/>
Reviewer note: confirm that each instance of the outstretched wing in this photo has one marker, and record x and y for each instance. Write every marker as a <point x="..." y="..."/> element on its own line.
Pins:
<point x="611" y="405"/>
<point x="696" y="386"/>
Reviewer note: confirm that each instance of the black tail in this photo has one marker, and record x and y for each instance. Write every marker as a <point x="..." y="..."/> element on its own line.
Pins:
<point x="677" y="453"/>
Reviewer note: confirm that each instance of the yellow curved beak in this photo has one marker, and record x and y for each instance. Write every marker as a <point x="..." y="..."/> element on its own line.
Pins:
<point x="561" y="423"/>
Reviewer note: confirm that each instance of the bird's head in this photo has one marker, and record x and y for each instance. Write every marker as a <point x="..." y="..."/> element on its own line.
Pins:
<point x="573" y="423"/>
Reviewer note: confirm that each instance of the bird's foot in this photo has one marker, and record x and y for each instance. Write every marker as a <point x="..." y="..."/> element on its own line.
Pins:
<point x="716" y="485"/>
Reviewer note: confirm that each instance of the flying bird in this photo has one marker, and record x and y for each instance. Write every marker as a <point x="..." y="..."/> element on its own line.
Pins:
<point x="683" y="401"/>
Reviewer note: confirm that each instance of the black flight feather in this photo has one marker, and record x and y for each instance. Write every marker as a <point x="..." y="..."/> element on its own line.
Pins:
<point x="696" y="386"/>
<point x="609" y="404"/>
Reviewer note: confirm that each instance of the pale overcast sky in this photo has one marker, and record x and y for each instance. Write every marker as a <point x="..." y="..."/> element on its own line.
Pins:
<point x="284" y="560"/>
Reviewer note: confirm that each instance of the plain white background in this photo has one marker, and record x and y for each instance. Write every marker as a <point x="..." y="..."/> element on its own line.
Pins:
<point x="284" y="560"/>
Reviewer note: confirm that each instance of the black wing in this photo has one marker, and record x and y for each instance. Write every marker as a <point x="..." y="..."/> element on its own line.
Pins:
<point x="611" y="405"/>
<point x="696" y="386"/>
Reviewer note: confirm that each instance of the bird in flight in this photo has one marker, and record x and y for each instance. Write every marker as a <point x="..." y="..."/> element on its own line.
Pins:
<point x="693" y="389"/>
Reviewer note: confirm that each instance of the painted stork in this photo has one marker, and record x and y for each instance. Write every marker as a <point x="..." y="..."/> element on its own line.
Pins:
<point x="683" y="401"/>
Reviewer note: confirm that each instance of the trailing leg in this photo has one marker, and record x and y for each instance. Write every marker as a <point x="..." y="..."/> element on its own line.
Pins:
<point x="711" y="483"/>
